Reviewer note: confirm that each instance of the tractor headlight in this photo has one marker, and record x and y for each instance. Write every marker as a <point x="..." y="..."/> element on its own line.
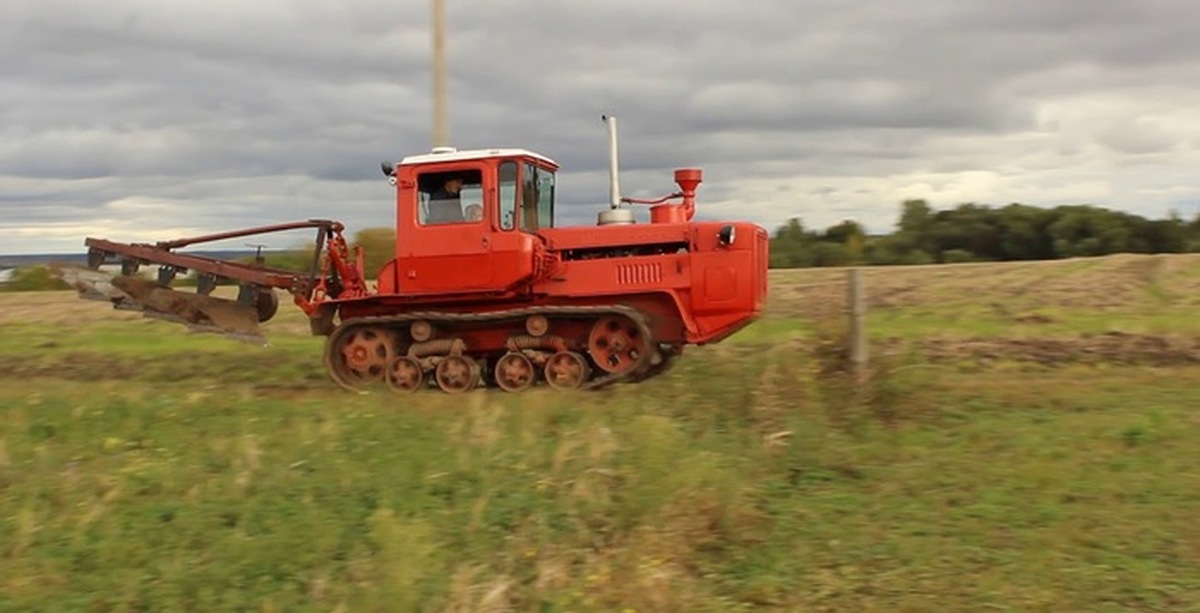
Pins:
<point x="727" y="234"/>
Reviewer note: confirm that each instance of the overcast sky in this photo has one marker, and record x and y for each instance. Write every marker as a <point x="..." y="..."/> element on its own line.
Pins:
<point x="153" y="119"/>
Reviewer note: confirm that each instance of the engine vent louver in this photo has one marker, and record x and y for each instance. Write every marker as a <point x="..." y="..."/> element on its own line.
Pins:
<point x="639" y="274"/>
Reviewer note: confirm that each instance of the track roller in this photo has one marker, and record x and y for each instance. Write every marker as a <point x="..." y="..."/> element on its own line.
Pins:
<point x="405" y="374"/>
<point x="514" y="372"/>
<point x="566" y="370"/>
<point x="456" y="374"/>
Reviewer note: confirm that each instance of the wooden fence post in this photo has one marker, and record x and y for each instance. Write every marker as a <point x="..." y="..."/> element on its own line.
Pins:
<point x="857" y="299"/>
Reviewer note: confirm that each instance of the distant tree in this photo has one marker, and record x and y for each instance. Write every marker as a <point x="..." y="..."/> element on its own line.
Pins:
<point x="1165" y="235"/>
<point x="793" y="231"/>
<point x="1082" y="230"/>
<point x="894" y="249"/>
<point x="916" y="216"/>
<point x="850" y="235"/>
<point x="379" y="247"/>
<point x="842" y="232"/>
<point x="791" y="246"/>
<point x="1194" y="235"/>
<point x="824" y="253"/>
<point x="970" y="228"/>
<point x="916" y="225"/>
<point x="973" y="232"/>
<point x="1024" y="233"/>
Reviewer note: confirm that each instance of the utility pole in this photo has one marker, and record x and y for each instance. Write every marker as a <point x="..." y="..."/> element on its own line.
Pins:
<point x="440" y="136"/>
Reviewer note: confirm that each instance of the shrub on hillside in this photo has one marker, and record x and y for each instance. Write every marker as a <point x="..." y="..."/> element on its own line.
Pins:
<point x="958" y="256"/>
<point x="33" y="279"/>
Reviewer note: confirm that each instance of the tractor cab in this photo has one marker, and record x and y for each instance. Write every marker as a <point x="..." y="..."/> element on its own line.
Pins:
<point x="466" y="221"/>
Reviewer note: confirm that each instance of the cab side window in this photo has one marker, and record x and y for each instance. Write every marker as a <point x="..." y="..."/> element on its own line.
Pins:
<point x="508" y="195"/>
<point x="450" y="197"/>
<point x="537" y="198"/>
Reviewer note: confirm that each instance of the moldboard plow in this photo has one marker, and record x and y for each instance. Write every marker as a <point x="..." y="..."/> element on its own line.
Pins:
<point x="238" y="318"/>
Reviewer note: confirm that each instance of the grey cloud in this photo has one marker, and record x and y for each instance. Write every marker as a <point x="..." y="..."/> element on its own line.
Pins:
<point x="244" y="113"/>
<point x="1136" y="138"/>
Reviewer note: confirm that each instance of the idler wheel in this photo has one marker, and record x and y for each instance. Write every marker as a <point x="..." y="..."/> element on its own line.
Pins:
<point x="566" y="370"/>
<point x="361" y="357"/>
<point x="616" y="344"/>
<point x="514" y="372"/>
<point x="405" y="374"/>
<point x="456" y="374"/>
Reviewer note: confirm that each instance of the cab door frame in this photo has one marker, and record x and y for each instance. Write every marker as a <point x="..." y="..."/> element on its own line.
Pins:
<point x="449" y="257"/>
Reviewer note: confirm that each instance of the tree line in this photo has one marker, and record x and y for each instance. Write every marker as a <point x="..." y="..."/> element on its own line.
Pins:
<point x="978" y="233"/>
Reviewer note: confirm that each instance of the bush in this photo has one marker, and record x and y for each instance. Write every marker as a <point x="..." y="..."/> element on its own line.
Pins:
<point x="34" y="279"/>
<point x="958" y="256"/>
<point x="379" y="247"/>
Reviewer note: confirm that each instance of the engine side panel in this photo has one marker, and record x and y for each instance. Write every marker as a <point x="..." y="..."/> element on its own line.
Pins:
<point x="717" y="288"/>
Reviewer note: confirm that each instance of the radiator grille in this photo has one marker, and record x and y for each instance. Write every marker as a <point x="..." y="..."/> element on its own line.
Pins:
<point x="639" y="274"/>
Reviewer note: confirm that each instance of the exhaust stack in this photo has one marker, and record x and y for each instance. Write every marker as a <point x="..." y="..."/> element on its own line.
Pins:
<point x="614" y="185"/>
<point x="615" y="214"/>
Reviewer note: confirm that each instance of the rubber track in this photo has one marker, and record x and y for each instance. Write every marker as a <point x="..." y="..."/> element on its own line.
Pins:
<point x="636" y="316"/>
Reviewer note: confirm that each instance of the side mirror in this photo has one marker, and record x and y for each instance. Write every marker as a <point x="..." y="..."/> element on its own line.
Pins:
<point x="388" y="169"/>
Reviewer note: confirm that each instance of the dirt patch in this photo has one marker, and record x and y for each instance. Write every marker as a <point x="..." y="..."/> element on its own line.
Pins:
<point x="1034" y="318"/>
<point x="209" y="368"/>
<point x="57" y="308"/>
<point x="72" y="366"/>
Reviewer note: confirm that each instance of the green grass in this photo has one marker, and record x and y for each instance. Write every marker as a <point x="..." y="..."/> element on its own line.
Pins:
<point x="772" y="330"/>
<point x="142" y="468"/>
<point x="146" y="338"/>
<point x="717" y="487"/>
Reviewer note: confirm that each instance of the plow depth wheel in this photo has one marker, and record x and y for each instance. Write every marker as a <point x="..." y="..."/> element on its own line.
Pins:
<point x="566" y="370"/>
<point x="264" y="300"/>
<point x="405" y="374"/>
<point x="266" y="304"/>
<point x="456" y="373"/>
<point x="361" y="357"/>
<point x="514" y="372"/>
<point x="616" y="344"/>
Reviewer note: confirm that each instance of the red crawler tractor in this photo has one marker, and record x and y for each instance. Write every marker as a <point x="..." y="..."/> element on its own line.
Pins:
<point x="483" y="290"/>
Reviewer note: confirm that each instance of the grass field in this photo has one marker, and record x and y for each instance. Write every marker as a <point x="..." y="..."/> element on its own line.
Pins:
<point x="1026" y="441"/>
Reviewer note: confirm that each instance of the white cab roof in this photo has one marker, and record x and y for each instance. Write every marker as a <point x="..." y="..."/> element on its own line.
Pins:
<point x="449" y="154"/>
